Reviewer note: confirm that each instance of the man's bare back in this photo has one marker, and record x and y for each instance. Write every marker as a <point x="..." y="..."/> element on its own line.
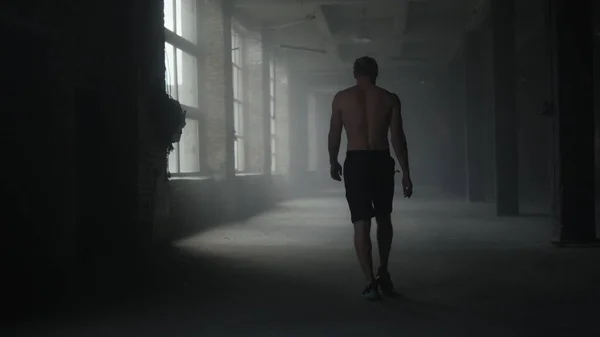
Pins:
<point x="366" y="113"/>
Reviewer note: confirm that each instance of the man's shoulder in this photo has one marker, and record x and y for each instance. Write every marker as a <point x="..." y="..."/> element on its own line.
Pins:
<point x="344" y="91"/>
<point x="387" y="92"/>
<point x="393" y="96"/>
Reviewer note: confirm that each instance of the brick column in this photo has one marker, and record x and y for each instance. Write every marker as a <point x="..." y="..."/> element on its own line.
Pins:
<point x="298" y="124"/>
<point x="216" y="79"/>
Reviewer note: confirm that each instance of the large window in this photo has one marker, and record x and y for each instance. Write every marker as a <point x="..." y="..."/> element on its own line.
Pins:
<point x="238" y="99"/>
<point x="181" y="18"/>
<point x="181" y="77"/>
<point x="272" y="113"/>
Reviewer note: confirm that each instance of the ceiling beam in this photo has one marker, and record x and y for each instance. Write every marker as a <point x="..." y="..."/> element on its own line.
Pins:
<point x="323" y="26"/>
<point x="247" y="21"/>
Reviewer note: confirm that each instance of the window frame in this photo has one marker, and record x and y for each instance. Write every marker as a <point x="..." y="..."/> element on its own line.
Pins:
<point x="273" y="111"/>
<point x="193" y="113"/>
<point x="240" y="87"/>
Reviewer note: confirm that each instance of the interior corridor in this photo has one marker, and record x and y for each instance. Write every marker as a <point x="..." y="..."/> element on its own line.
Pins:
<point x="291" y="271"/>
<point x="168" y="167"/>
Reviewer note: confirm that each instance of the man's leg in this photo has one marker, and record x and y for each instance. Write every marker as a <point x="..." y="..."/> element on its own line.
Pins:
<point x="362" y="244"/>
<point x="383" y="200"/>
<point x="361" y="212"/>
<point x="385" y="233"/>
<point x="364" y="248"/>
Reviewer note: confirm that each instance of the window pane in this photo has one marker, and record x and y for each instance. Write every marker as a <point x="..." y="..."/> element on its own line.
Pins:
<point x="240" y="84"/>
<point x="189" y="147"/>
<point x="273" y="155"/>
<point x="234" y="47"/>
<point x="169" y="15"/>
<point x="238" y="118"/>
<point x="174" y="160"/>
<point x="235" y="83"/>
<point x="186" y="19"/>
<point x="273" y="146"/>
<point x="170" y="69"/>
<point x="240" y="154"/>
<point x="272" y="88"/>
<point x="272" y="108"/>
<point x="187" y="79"/>
<point x="236" y="155"/>
<point x="272" y="127"/>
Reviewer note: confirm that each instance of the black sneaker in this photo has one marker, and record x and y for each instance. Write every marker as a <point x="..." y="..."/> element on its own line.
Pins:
<point x="371" y="293"/>
<point x="384" y="281"/>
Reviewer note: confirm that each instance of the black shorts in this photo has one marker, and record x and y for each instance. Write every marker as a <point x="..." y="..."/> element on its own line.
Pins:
<point x="369" y="181"/>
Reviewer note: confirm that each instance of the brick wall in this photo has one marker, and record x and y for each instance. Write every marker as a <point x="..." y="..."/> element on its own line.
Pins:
<point x="216" y="90"/>
<point x="201" y="204"/>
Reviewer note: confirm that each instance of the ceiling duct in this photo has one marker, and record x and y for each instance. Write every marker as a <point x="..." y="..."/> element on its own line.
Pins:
<point x="363" y="35"/>
<point x="308" y="49"/>
<point x="307" y="18"/>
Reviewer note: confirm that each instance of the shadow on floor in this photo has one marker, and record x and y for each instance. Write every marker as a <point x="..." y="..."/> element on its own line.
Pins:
<point x="192" y="295"/>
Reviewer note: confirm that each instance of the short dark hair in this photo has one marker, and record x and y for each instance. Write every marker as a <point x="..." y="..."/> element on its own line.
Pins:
<point x="366" y="66"/>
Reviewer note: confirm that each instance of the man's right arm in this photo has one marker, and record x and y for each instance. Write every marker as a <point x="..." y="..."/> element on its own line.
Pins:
<point x="398" y="136"/>
<point x="335" y="131"/>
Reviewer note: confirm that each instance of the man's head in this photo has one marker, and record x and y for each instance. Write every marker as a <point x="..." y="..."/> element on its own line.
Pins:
<point x="366" y="67"/>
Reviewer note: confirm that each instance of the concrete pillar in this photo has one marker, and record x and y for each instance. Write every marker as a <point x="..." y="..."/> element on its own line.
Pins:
<point x="442" y="114"/>
<point x="312" y="133"/>
<point x="505" y="107"/>
<point x="451" y="98"/>
<point x="215" y="21"/>
<point x="474" y="112"/>
<point x="323" y="115"/>
<point x="572" y="43"/>
<point x="298" y="124"/>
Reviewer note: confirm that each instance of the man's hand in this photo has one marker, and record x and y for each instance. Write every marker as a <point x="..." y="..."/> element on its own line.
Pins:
<point x="407" y="186"/>
<point x="336" y="171"/>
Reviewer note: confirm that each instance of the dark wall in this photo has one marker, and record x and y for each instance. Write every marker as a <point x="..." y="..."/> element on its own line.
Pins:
<point x="423" y="120"/>
<point x="536" y="162"/>
<point x="597" y="109"/>
<point x="72" y="134"/>
<point x="597" y="92"/>
<point x="34" y="200"/>
<point x="535" y="128"/>
<point x="451" y="99"/>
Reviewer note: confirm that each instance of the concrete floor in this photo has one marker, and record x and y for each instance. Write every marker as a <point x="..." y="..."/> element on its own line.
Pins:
<point x="292" y="271"/>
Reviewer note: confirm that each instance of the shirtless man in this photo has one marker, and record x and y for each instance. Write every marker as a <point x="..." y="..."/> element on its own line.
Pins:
<point x="368" y="112"/>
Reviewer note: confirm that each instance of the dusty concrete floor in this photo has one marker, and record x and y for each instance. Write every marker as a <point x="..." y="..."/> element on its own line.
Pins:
<point x="292" y="271"/>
